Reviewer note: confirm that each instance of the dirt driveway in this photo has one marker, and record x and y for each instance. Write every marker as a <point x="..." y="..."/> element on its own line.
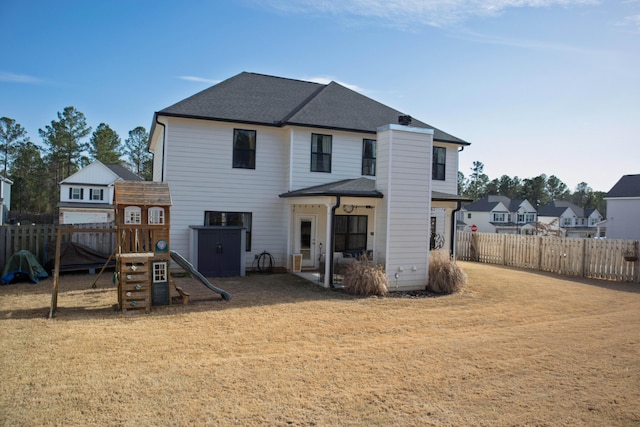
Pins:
<point x="515" y="348"/>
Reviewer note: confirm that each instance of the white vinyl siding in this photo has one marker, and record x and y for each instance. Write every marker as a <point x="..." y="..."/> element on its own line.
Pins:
<point x="406" y="205"/>
<point x="450" y="184"/>
<point x="623" y="218"/>
<point x="346" y="158"/>
<point x="201" y="178"/>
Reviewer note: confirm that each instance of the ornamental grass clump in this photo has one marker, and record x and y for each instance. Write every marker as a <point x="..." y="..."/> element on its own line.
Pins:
<point x="362" y="277"/>
<point x="445" y="276"/>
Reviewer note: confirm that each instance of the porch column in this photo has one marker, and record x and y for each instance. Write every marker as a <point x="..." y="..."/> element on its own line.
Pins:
<point x="328" y="252"/>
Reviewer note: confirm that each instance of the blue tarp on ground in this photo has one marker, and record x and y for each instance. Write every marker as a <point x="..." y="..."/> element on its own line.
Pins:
<point x="23" y="265"/>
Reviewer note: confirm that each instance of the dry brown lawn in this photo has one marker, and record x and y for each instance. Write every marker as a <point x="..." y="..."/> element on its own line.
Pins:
<point x="515" y="348"/>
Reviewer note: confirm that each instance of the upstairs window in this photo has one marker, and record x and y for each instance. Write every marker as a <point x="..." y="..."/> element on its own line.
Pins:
<point x="530" y="217"/>
<point x="369" y="157"/>
<point x="76" y="193"/>
<point x="438" y="170"/>
<point x="244" y="149"/>
<point x="499" y="217"/>
<point x="156" y="215"/>
<point x="96" y="194"/>
<point x="320" y="153"/>
<point x="132" y="215"/>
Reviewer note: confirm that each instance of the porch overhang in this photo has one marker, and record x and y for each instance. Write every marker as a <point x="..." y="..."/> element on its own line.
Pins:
<point x="437" y="196"/>
<point x="358" y="187"/>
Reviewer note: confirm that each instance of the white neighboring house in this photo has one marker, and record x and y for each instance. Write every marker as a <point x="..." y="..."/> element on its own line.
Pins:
<point x="87" y="195"/>
<point x="501" y="215"/>
<point x="623" y="209"/>
<point x="314" y="170"/>
<point x="563" y="218"/>
<point x="5" y="198"/>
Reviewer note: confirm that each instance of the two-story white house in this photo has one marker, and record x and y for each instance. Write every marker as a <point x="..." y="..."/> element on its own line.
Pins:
<point x="563" y="218"/>
<point x="501" y="215"/>
<point x="5" y="198"/>
<point x="313" y="171"/>
<point x="623" y="208"/>
<point x="87" y="195"/>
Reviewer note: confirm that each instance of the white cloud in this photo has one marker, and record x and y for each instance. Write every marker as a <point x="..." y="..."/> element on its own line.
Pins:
<point x="632" y="22"/>
<point x="17" y="78"/>
<point x="198" y="79"/>
<point x="406" y="13"/>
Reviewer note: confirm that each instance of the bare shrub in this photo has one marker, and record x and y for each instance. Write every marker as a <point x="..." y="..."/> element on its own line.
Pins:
<point x="444" y="275"/>
<point x="362" y="277"/>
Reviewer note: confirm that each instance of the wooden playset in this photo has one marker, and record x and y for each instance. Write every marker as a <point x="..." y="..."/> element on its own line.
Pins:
<point x="143" y="221"/>
<point x="142" y="254"/>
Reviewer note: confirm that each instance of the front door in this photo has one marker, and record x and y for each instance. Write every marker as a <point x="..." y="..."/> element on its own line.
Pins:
<point x="307" y="240"/>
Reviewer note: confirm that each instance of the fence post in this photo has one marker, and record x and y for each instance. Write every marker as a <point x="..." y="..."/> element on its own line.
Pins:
<point x="504" y="249"/>
<point x="583" y="245"/>
<point x="538" y="252"/>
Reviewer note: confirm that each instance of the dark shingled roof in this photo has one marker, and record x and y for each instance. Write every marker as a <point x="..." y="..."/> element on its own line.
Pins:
<point x="359" y="187"/>
<point x="557" y="207"/>
<point x="486" y="204"/>
<point x="123" y="172"/>
<point x="276" y="101"/>
<point x="627" y="186"/>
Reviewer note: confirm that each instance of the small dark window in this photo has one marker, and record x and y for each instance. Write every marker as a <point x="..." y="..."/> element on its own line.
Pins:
<point x="244" y="149"/>
<point x="229" y="219"/>
<point x="369" y="157"/>
<point x="320" y="153"/>
<point x="438" y="171"/>
<point x="350" y="233"/>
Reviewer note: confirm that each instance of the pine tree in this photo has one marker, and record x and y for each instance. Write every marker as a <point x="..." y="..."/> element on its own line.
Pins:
<point x="105" y="145"/>
<point x="138" y="154"/>
<point x="11" y="135"/>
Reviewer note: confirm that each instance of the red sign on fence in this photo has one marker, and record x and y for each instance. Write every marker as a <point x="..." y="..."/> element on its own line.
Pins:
<point x="474" y="228"/>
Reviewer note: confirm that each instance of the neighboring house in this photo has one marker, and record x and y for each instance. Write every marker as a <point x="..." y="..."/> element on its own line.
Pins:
<point x="623" y="209"/>
<point x="87" y="195"/>
<point x="308" y="169"/>
<point x="500" y="214"/>
<point x="5" y="198"/>
<point x="563" y="218"/>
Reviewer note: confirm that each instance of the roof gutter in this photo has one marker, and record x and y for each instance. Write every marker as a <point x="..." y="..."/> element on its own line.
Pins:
<point x="452" y="245"/>
<point x="164" y="143"/>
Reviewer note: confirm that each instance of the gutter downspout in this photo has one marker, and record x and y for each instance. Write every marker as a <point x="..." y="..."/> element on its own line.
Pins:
<point x="332" y="244"/>
<point x="164" y="142"/>
<point x="453" y="230"/>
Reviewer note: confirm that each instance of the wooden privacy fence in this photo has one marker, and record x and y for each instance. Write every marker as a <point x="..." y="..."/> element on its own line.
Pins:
<point x="596" y="258"/>
<point x="37" y="237"/>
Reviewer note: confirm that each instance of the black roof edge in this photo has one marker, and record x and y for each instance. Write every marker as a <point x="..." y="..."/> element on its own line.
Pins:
<point x="279" y="124"/>
<point x="372" y="195"/>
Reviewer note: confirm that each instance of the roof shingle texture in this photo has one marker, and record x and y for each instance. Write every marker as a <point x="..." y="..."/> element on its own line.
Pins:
<point x="627" y="186"/>
<point x="276" y="101"/>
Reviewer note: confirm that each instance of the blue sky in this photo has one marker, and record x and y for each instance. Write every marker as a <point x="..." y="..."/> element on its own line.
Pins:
<point x="537" y="86"/>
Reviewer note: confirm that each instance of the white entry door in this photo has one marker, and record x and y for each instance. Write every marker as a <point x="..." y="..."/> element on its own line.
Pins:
<point x="306" y="231"/>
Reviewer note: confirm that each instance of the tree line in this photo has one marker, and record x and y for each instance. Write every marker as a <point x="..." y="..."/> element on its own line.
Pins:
<point x="36" y="170"/>
<point x="538" y="190"/>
